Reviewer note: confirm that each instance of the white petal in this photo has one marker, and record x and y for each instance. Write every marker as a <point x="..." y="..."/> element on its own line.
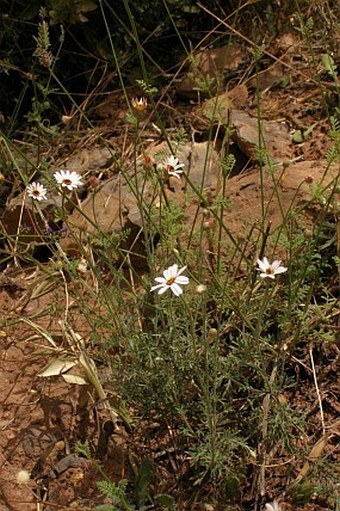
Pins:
<point x="181" y="270"/>
<point x="156" y="287"/>
<point x="171" y="272"/>
<point x="182" y="280"/>
<point x="265" y="262"/>
<point x="171" y="160"/>
<point x="276" y="264"/>
<point x="281" y="269"/>
<point x="274" y="506"/>
<point x="262" y="266"/>
<point x="267" y="276"/>
<point x="176" y="289"/>
<point x="163" y="289"/>
<point x="174" y="174"/>
<point x="162" y="280"/>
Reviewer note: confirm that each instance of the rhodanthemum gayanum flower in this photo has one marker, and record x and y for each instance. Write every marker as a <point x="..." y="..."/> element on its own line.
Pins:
<point x="172" y="279"/>
<point x="68" y="179"/>
<point x="173" y="167"/>
<point x="269" y="270"/>
<point x="37" y="191"/>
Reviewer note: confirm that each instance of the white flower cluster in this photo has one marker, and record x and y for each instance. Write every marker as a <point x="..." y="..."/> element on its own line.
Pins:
<point x="64" y="178"/>
<point x="173" y="278"/>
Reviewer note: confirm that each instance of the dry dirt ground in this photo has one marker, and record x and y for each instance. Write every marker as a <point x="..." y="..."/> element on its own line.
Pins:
<point x="42" y="419"/>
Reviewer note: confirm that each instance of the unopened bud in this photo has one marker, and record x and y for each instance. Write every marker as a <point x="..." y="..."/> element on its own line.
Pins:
<point x="200" y="289"/>
<point x="212" y="334"/>
<point x="23" y="476"/>
<point x="66" y="119"/>
<point x="82" y="266"/>
<point x="149" y="161"/>
<point x="209" y="224"/>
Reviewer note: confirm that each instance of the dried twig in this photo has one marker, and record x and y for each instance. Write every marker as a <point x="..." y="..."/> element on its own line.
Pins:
<point x="317" y="391"/>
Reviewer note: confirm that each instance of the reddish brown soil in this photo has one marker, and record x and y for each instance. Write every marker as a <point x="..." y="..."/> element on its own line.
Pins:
<point x="42" y="419"/>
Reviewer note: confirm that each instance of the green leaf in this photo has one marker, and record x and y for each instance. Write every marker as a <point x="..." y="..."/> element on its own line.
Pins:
<point x="165" y="501"/>
<point x="297" y="137"/>
<point x="106" y="507"/>
<point x="309" y="130"/>
<point x="328" y="64"/>
<point x="146" y="476"/>
<point x="85" y="6"/>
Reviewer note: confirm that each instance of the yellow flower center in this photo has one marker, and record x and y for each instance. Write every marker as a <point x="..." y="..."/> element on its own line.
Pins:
<point x="67" y="182"/>
<point x="170" y="281"/>
<point x="269" y="271"/>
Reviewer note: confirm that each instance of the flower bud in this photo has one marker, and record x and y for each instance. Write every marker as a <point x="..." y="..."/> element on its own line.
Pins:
<point x="23" y="476"/>
<point x="200" y="289"/>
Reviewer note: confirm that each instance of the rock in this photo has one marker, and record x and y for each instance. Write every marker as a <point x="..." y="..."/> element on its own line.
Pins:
<point x="223" y="110"/>
<point x="275" y="75"/>
<point x="91" y="159"/>
<point x="279" y="72"/>
<point x="114" y="207"/>
<point x="217" y="109"/>
<point x="23" y="222"/>
<point x="292" y="190"/>
<point x="242" y="213"/>
<point x="208" y="68"/>
<point x="275" y="137"/>
<point x="201" y="163"/>
<point x="22" y="219"/>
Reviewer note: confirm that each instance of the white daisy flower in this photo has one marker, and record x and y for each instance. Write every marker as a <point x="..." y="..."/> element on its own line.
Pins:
<point x="273" y="506"/>
<point x="269" y="270"/>
<point x="37" y="191"/>
<point x="67" y="179"/>
<point x="173" y="166"/>
<point x="172" y="279"/>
